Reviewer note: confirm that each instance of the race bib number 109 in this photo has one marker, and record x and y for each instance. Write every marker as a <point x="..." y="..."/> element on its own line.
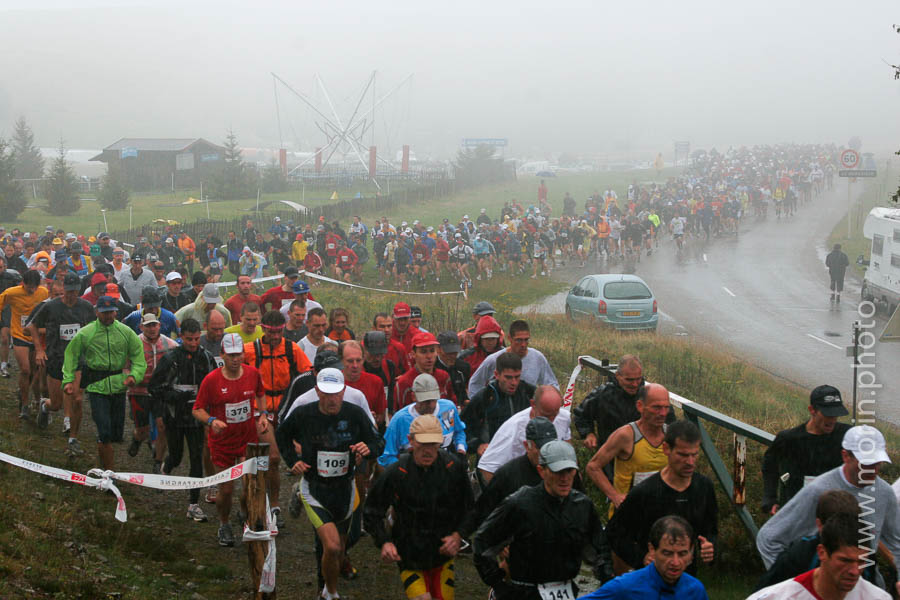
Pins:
<point x="332" y="464"/>
<point x="237" y="412"/>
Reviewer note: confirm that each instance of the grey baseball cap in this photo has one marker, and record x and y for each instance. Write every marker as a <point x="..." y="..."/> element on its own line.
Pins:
<point x="375" y="342"/>
<point x="483" y="308"/>
<point x="558" y="456"/>
<point x="448" y="341"/>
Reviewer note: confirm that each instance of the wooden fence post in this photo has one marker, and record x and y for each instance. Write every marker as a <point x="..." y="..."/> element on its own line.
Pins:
<point x="253" y="501"/>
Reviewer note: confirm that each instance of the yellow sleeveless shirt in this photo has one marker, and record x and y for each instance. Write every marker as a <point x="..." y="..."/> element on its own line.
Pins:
<point x="645" y="460"/>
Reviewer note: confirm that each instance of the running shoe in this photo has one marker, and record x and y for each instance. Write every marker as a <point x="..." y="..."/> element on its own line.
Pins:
<point x="196" y="513"/>
<point x="279" y="520"/>
<point x="67" y="425"/>
<point x="212" y="492"/>
<point x="4" y="371"/>
<point x="73" y="448"/>
<point x="43" y="415"/>
<point x="134" y="447"/>
<point x="25" y="412"/>
<point x="226" y="536"/>
<point x="295" y="507"/>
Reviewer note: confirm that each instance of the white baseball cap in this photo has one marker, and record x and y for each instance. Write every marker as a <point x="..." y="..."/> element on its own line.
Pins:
<point x="330" y="381"/>
<point x="866" y="443"/>
<point x="172" y="276"/>
<point x="232" y="343"/>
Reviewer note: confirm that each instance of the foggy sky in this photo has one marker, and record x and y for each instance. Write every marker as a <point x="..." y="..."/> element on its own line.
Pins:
<point x="583" y="77"/>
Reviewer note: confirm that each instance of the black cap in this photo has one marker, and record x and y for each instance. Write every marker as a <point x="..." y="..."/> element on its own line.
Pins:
<point x="106" y="304"/>
<point x="150" y="297"/>
<point x="415" y="312"/>
<point x="540" y="430"/>
<point x="71" y="282"/>
<point x="76" y="247"/>
<point x="827" y="400"/>
<point x="291" y="272"/>
<point x="375" y="342"/>
<point x="137" y="256"/>
<point x="448" y="342"/>
<point x="327" y="359"/>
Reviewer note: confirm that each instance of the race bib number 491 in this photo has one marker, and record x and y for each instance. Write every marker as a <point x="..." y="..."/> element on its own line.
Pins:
<point x="67" y="332"/>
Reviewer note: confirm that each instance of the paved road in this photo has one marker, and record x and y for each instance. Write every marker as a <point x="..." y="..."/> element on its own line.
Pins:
<point x="764" y="295"/>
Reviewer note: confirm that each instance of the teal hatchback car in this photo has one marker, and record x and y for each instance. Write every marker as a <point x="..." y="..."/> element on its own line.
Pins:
<point x="617" y="300"/>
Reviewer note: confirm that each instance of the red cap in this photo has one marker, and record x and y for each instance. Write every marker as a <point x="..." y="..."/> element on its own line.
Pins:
<point x="424" y="339"/>
<point x="401" y="310"/>
<point x="97" y="279"/>
<point x="112" y="290"/>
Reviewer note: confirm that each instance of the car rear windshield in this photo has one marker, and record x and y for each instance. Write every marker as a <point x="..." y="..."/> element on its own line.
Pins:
<point x="626" y="290"/>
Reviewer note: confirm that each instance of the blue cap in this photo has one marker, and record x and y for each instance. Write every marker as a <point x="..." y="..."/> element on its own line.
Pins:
<point x="300" y="287"/>
<point x="60" y="255"/>
<point x="106" y="304"/>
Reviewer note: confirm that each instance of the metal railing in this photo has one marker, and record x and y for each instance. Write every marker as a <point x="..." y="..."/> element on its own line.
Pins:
<point x="697" y="413"/>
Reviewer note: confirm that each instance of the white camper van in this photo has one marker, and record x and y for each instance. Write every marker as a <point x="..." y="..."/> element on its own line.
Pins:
<point x="882" y="280"/>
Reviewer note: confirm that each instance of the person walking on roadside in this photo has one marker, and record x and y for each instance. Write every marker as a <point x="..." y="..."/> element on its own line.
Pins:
<point x="837" y="264"/>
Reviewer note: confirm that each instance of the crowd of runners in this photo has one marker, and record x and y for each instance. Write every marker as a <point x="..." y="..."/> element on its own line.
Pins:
<point x="432" y="443"/>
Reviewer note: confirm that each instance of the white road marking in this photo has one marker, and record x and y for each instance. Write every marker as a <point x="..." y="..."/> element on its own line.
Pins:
<point x="818" y="339"/>
<point x="730" y="293"/>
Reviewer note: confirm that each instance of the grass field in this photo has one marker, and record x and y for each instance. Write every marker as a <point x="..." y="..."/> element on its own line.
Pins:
<point x="877" y="192"/>
<point x="146" y="207"/>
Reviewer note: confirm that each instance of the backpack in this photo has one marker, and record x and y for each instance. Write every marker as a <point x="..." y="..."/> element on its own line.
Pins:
<point x="292" y="366"/>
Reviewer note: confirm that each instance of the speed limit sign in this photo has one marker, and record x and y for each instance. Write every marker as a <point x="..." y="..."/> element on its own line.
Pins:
<point x="849" y="159"/>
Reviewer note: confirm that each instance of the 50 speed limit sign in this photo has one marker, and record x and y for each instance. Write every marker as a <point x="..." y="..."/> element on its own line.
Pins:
<point x="849" y="159"/>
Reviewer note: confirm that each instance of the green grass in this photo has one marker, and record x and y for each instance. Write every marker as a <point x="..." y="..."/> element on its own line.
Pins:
<point x="146" y="207"/>
<point x="877" y="192"/>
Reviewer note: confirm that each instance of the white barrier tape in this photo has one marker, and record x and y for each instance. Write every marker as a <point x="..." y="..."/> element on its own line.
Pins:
<point x="570" y="388"/>
<point x="172" y="482"/>
<point x="267" y="577"/>
<point x="303" y="273"/>
<point x="101" y="482"/>
<point x="362" y="287"/>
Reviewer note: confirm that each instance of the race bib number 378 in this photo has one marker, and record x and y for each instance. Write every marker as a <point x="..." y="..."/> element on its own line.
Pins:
<point x="237" y="412"/>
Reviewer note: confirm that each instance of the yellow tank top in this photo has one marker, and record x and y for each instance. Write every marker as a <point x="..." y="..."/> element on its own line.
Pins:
<point x="645" y="460"/>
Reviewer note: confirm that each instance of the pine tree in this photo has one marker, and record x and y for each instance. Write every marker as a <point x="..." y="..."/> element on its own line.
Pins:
<point x="234" y="179"/>
<point x="62" y="191"/>
<point x="12" y="196"/>
<point x="113" y="193"/>
<point x="28" y="160"/>
<point x="273" y="180"/>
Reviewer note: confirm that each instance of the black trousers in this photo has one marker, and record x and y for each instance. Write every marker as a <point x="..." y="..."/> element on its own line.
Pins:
<point x="175" y="437"/>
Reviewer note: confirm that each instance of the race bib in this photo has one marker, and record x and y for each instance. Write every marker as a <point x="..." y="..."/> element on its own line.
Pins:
<point x="220" y="362"/>
<point x="332" y="464"/>
<point x="68" y="331"/>
<point x="639" y="477"/>
<point x="331" y="246"/>
<point x="237" y="412"/>
<point x="345" y="258"/>
<point x="23" y="319"/>
<point x="558" y="590"/>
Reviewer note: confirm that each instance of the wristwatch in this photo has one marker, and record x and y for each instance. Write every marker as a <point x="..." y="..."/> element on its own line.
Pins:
<point x="210" y="420"/>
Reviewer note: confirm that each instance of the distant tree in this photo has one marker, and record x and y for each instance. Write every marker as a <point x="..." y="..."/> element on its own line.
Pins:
<point x="113" y="193"/>
<point x="234" y="179"/>
<point x="62" y="189"/>
<point x="12" y="196"/>
<point x="28" y="159"/>
<point x="273" y="180"/>
<point x="478" y="166"/>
